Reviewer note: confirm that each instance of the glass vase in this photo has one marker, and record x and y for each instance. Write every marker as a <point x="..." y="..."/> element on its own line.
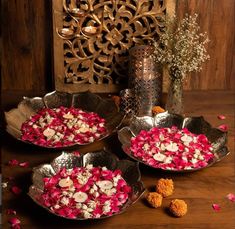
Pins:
<point x="175" y="97"/>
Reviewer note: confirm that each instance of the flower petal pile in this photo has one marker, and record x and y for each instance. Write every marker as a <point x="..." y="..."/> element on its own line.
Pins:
<point x="172" y="149"/>
<point x="85" y="192"/>
<point x="59" y="127"/>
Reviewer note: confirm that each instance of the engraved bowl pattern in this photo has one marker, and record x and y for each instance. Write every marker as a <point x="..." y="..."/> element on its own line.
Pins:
<point x="130" y="172"/>
<point x="197" y="125"/>
<point x="87" y="101"/>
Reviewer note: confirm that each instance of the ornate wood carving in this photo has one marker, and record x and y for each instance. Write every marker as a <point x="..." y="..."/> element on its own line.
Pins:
<point x="92" y="39"/>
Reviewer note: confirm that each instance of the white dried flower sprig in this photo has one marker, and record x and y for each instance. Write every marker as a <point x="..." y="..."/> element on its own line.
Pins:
<point x="181" y="47"/>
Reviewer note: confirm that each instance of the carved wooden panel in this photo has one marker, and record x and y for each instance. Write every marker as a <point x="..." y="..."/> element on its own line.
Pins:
<point x="92" y="39"/>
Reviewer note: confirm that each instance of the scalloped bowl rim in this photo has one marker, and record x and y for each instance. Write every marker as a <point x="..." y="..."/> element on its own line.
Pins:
<point x="126" y="205"/>
<point x="126" y="151"/>
<point x="72" y="146"/>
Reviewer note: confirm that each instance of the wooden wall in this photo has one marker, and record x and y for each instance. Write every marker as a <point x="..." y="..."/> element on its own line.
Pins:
<point x="26" y="64"/>
<point x="218" y="19"/>
<point x="27" y="42"/>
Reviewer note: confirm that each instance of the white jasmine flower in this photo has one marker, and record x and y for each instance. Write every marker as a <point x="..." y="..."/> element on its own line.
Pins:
<point x="89" y="166"/>
<point x="105" y="184"/>
<point x="56" y="206"/>
<point x="172" y="147"/>
<point x="159" y="157"/>
<point x="64" y="200"/>
<point x="87" y="215"/>
<point x="146" y="147"/>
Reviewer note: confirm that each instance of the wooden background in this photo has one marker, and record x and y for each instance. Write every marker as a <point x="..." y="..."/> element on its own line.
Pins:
<point x="26" y="66"/>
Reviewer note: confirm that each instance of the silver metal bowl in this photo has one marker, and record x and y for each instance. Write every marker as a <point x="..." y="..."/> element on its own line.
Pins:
<point x="196" y="125"/>
<point x="87" y="101"/>
<point x="130" y="172"/>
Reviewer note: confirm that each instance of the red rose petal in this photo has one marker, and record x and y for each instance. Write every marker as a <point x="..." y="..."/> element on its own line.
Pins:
<point x="24" y="164"/>
<point x="221" y="117"/>
<point x="223" y="127"/>
<point x="15" y="223"/>
<point x="10" y="212"/>
<point x="16" y="190"/>
<point x="14" y="220"/>
<point x="216" y="207"/>
<point x="231" y="197"/>
<point x="77" y="153"/>
<point x="13" y="162"/>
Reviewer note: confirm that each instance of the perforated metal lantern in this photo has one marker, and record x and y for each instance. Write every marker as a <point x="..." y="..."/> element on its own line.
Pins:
<point x="145" y="79"/>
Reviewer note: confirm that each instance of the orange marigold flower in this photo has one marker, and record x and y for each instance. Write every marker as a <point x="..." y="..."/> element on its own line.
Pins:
<point x="178" y="207"/>
<point x="154" y="199"/>
<point x="157" y="110"/>
<point x="165" y="187"/>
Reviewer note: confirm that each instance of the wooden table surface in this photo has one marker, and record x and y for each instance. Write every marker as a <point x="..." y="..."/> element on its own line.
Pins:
<point x="199" y="189"/>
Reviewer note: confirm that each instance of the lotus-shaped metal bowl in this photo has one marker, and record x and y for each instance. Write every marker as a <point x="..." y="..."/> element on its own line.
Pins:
<point x="196" y="125"/>
<point x="87" y="101"/>
<point x="130" y="172"/>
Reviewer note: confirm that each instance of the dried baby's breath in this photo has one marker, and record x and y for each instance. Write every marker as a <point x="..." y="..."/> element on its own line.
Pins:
<point x="182" y="47"/>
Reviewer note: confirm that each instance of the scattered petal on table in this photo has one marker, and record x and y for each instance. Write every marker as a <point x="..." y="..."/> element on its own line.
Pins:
<point x="16" y="190"/>
<point x="10" y="212"/>
<point x="216" y="207"/>
<point x="223" y="127"/>
<point x="4" y="184"/>
<point x="15" y="223"/>
<point x="24" y="164"/>
<point x="13" y="162"/>
<point x="15" y="226"/>
<point x="221" y="117"/>
<point x="231" y="197"/>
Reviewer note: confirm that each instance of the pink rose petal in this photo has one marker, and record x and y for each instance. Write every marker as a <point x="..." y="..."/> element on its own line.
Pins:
<point x="231" y="197"/>
<point x="223" y="127"/>
<point x="24" y="164"/>
<point x="216" y="207"/>
<point x="16" y="190"/>
<point x="13" y="162"/>
<point x="15" y="223"/>
<point x="221" y="117"/>
<point x="10" y="212"/>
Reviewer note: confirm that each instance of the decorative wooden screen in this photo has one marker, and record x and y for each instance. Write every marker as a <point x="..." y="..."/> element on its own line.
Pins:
<point x="92" y="39"/>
